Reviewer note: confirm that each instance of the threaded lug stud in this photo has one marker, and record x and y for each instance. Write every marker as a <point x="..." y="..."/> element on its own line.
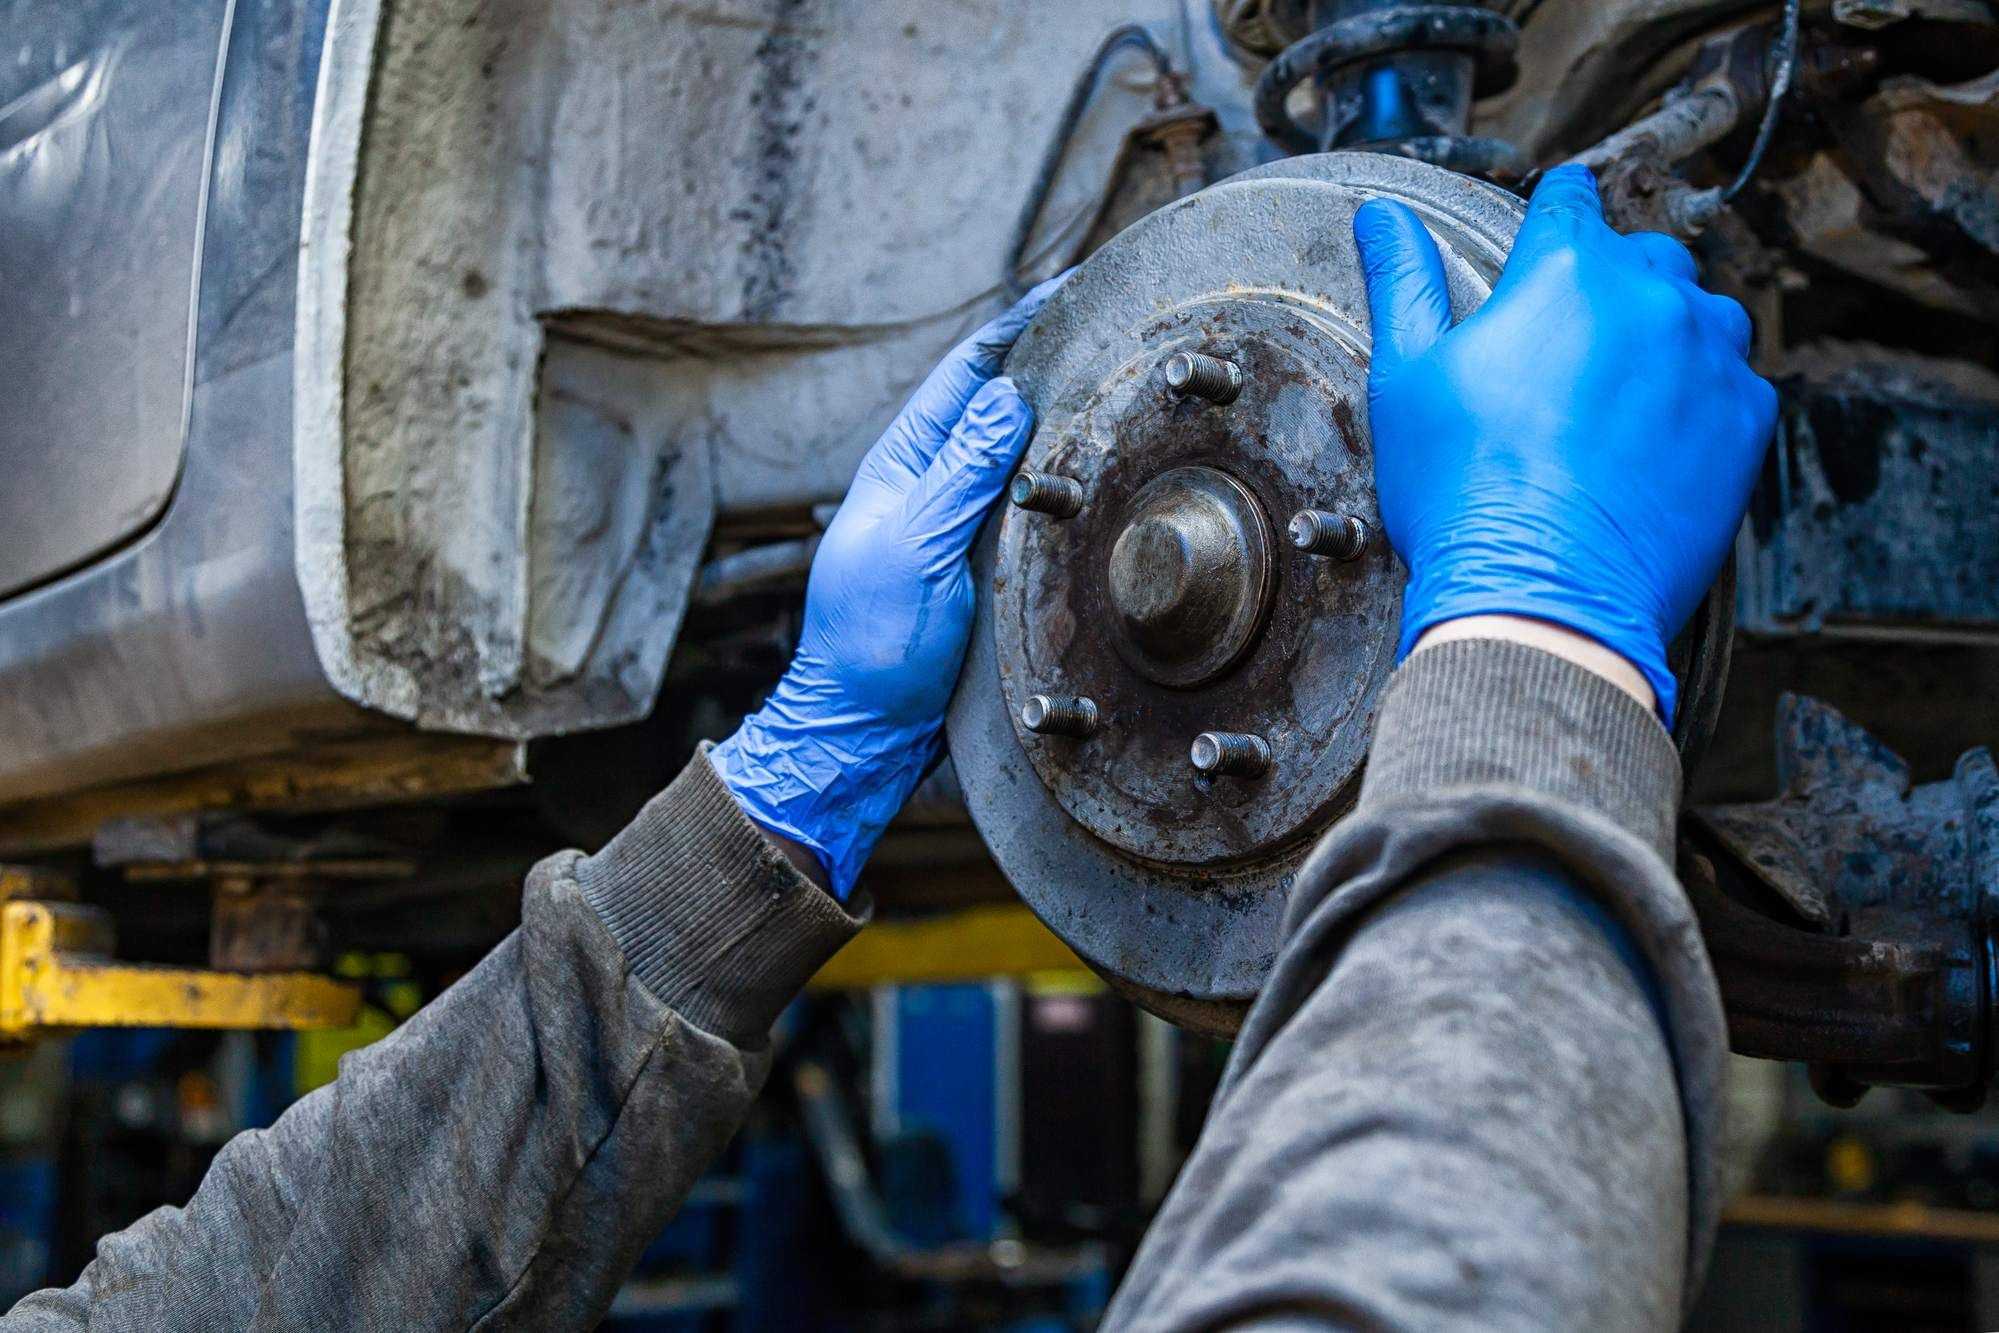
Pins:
<point x="1316" y="532"/>
<point x="1046" y="493"/>
<point x="1230" y="754"/>
<point x="1197" y="375"/>
<point x="1059" y="715"/>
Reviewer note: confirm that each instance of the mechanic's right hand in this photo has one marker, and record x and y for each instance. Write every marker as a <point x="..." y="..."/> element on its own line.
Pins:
<point x="1578" y="451"/>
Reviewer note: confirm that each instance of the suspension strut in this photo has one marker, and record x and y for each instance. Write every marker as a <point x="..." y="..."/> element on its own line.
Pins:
<point x="1396" y="78"/>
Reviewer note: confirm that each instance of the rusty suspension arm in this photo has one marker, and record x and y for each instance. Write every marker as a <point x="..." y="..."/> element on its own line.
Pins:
<point x="1861" y="1012"/>
<point x="1847" y="918"/>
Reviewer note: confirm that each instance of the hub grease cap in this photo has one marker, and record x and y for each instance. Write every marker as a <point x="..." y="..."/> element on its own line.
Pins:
<point x="1188" y="577"/>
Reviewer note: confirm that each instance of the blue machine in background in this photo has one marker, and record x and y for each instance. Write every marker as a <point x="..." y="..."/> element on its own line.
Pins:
<point x="876" y="1187"/>
<point x="946" y="1093"/>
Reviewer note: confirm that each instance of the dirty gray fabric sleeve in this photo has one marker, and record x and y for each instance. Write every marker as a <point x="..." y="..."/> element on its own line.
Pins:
<point x="1458" y="1103"/>
<point x="500" y="1160"/>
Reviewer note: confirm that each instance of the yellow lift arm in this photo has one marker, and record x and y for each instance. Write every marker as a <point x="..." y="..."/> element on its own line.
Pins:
<point x="57" y="975"/>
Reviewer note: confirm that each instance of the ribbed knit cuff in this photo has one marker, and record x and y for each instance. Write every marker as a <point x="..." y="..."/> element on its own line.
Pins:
<point x="1477" y="712"/>
<point x="710" y="915"/>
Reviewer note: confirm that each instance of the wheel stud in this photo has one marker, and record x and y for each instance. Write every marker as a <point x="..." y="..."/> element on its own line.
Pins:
<point x="1201" y="376"/>
<point x="1230" y="754"/>
<point x="1046" y="493"/>
<point x="1316" y="532"/>
<point x="1059" y="715"/>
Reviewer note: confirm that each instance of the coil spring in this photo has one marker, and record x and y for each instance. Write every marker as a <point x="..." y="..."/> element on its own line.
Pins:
<point x="1482" y="35"/>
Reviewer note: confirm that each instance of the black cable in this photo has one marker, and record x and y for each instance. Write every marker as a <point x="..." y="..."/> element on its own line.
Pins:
<point x="1127" y="34"/>
<point x="1780" y="85"/>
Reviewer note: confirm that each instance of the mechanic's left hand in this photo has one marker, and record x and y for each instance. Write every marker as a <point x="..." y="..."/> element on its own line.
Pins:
<point x="842" y="741"/>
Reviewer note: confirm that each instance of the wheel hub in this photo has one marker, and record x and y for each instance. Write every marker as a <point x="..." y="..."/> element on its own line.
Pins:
<point x="1170" y="691"/>
<point x="1166" y="600"/>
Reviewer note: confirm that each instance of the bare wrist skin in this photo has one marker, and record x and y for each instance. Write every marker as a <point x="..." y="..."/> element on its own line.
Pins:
<point x="1564" y="643"/>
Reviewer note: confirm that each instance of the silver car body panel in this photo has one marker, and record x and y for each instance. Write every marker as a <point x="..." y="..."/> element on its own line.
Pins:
<point x="188" y="646"/>
<point x="101" y="174"/>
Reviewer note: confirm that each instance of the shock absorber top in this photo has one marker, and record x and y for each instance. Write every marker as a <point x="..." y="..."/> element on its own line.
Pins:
<point x="1396" y="78"/>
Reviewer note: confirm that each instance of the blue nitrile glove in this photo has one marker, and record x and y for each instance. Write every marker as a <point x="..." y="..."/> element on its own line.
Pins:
<point x="1582" y="448"/>
<point x="840" y="744"/>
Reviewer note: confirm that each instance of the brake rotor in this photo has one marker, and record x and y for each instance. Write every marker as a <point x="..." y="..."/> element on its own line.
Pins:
<point x="1200" y="393"/>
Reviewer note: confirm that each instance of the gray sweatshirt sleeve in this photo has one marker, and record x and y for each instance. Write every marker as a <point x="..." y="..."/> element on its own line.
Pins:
<point x="1482" y="1088"/>
<point x="501" y="1159"/>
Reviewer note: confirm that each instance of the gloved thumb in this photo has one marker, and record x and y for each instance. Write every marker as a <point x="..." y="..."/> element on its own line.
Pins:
<point x="1408" y="300"/>
<point x="968" y="474"/>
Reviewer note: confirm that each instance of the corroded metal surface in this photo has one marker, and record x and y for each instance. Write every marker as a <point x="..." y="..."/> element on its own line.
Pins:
<point x="1250" y="636"/>
<point x="1876" y="516"/>
<point x="1849" y="918"/>
<point x="1169" y="881"/>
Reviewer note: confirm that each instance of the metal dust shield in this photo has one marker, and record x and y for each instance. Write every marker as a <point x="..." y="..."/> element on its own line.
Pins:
<point x="1187" y="611"/>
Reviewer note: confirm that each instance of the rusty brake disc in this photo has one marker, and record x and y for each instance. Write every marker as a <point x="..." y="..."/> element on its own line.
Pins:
<point x="1187" y="615"/>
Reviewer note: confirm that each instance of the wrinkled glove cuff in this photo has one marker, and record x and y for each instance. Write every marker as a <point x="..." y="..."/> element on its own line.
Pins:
<point x="831" y="787"/>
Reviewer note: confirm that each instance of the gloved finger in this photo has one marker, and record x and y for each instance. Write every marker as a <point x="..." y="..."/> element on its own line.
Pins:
<point x="943" y="512"/>
<point x="1666" y="254"/>
<point x="920" y="429"/>
<point x="1408" y="300"/>
<point x="1726" y="314"/>
<point x="1564" y="206"/>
